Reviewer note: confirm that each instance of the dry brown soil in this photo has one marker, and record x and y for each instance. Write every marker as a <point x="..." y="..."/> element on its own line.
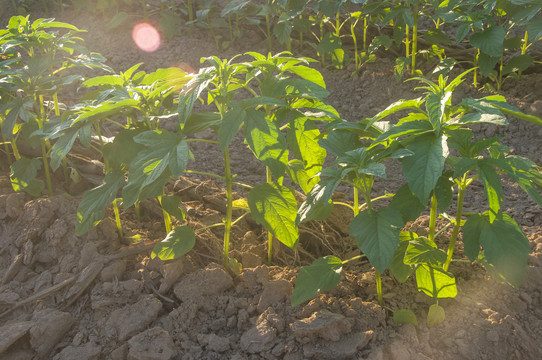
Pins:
<point x="100" y="297"/>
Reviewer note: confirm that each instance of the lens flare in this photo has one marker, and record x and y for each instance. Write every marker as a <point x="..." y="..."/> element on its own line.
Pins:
<point x="146" y="37"/>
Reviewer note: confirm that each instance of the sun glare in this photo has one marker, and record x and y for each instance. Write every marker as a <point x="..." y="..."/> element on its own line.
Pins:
<point x="146" y="37"/>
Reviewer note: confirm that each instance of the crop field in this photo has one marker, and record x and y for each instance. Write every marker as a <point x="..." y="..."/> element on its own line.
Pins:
<point x="273" y="179"/>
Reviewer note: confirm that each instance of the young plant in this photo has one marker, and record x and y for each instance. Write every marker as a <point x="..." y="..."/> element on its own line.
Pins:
<point x="37" y="57"/>
<point x="422" y="141"/>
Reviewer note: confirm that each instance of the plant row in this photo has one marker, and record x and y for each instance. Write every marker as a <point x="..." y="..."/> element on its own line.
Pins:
<point x="276" y="104"/>
<point x="494" y="37"/>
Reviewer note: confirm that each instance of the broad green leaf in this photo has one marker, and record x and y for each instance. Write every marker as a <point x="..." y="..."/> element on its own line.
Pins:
<point x="231" y="123"/>
<point x="505" y="245"/>
<point x="64" y="144"/>
<point x="435" y="282"/>
<point x="266" y="142"/>
<point x="322" y="275"/>
<point x="120" y="18"/>
<point x="282" y="31"/>
<point x="534" y="29"/>
<point x="339" y="142"/>
<point x="302" y="88"/>
<point x="163" y="150"/>
<point x="23" y="176"/>
<point x="297" y="173"/>
<point x="395" y="107"/>
<point x="492" y="186"/>
<point x="317" y="205"/>
<point x="437" y="37"/>
<point x="517" y="64"/>
<point x="123" y="149"/>
<point x="435" y="315"/>
<point x="329" y="43"/>
<point x="171" y="205"/>
<point x="489" y="41"/>
<point x="111" y="80"/>
<point x="487" y="63"/>
<point x="200" y="121"/>
<point x="176" y="244"/>
<point x="425" y="166"/>
<point x="513" y="111"/>
<point x="436" y="105"/>
<point x="17" y="109"/>
<point x="377" y="235"/>
<point x="413" y="127"/>
<point x="91" y="209"/>
<point x="471" y="235"/>
<point x="275" y="207"/>
<point x="307" y="73"/>
<point x="398" y="268"/>
<point x="405" y="316"/>
<point x="444" y="192"/>
<point x="424" y="251"/>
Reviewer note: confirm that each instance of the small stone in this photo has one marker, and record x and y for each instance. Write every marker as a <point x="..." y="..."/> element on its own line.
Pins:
<point x="152" y="344"/>
<point x="323" y="324"/>
<point x="259" y="338"/>
<point x="131" y="319"/>
<point x="9" y="334"/>
<point x="274" y="293"/>
<point x="48" y="328"/>
<point x="209" y="281"/>
<point x="88" y="351"/>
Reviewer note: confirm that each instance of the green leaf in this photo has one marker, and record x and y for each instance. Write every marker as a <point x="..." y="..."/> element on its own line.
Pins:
<point x="307" y="73"/>
<point x="377" y="235"/>
<point x="275" y="207"/>
<point x="505" y="245"/>
<point x="437" y="37"/>
<point x="23" y="176"/>
<point x="534" y="29"/>
<point x="444" y="192"/>
<point x="435" y="282"/>
<point x="513" y="111"/>
<point x="120" y="18"/>
<point x="111" y="80"/>
<point x="411" y="127"/>
<point x="297" y="173"/>
<point x="170" y="204"/>
<point x="435" y="315"/>
<point x="329" y="43"/>
<point x="400" y="105"/>
<point x="322" y="275"/>
<point x="339" y="142"/>
<point x="282" y="31"/>
<point x="177" y="243"/>
<point x="424" y="251"/>
<point x="398" y="268"/>
<point x="91" y="209"/>
<point x="487" y="63"/>
<point x="425" y="166"/>
<point x="492" y="186"/>
<point x="231" y="123"/>
<point x="163" y="151"/>
<point x="405" y="316"/>
<point x="490" y="41"/>
<point x="200" y="121"/>
<point x="517" y="64"/>
<point x="266" y="142"/>
<point x="436" y="106"/>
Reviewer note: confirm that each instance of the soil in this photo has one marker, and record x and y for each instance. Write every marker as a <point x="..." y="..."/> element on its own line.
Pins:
<point x="98" y="296"/>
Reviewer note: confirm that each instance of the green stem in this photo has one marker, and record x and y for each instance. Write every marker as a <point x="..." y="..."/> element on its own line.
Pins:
<point x="269" y="235"/>
<point x="379" y="288"/>
<point x="365" y="29"/>
<point x="414" y="38"/>
<point x="300" y="35"/>
<point x="15" y="149"/>
<point x="229" y="206"/>
<point x="167" y="217"/>
<point x="460" y="198"/>
<point x="354" y="258"/>
<point x="191" y="15"/>
<point x="356" y="57"/>
<point x="433" y="218"/>
<point x="407" y="41"/>
<point x="356" y="201"/>
<point x="46" y="168"/>
<point x="475" y="72"/>
<point x="218" y="177"/>
<point x="117" y="217"/>
<point x="137" y="211"/>
<point x="6" y="149"/>
<point x="499" y="83"/>
<point x="525" y="42"/>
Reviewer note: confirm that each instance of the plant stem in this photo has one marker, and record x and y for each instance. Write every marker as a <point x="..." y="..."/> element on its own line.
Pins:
<point x="229" y="205"/>
<point x="46" y="168"/>
<point x="356" y="57"/>
<point x="432" y="218"/>
<point x="269" y="235"/>
<point x="356" y="201"/>
<point x="167" y="217"/>
<point x="218" y="177"/>
<point x="15" y="149"/>
<point x="117" y="217"/>
<point x="475" y="73"/>
<point x="6" y="149"/>
<point x="460" y="198"/>
<point x="414" y="38"/>
<point x="499" y="82"/>
<point x="365" y="28"/>
<point x="191" y="15"/>
<point x="407" y="41"/>
<point x="137" y="211"/>
<point x="379" y="288"/>
<point x="323" y="59"/>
